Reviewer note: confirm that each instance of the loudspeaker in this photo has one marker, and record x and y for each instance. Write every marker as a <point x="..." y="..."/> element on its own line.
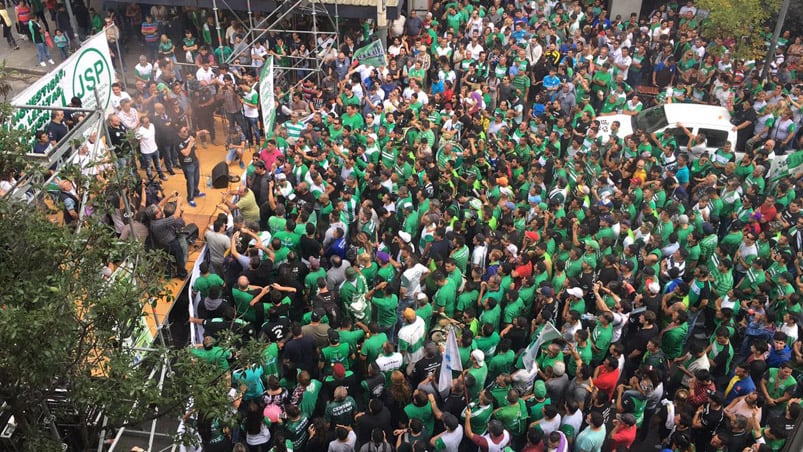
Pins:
<point x="220" y="175"/>
<point x="191" y="232"/>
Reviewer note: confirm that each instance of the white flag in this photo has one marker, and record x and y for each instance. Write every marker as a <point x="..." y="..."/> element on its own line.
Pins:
<point x="548" y="334"/>
<point x="451" y="362"/>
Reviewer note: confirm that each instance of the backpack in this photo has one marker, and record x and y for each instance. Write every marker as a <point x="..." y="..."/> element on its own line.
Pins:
<point x="358" y="306"/>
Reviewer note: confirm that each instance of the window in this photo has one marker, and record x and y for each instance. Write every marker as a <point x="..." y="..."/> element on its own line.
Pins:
<point x="715" y="138"/>
<point x="650" y="120"/>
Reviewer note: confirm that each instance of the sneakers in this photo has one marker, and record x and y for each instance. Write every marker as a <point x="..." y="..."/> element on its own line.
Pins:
<point x="200" y="195"/>
<point x="242" y="165"/>
<point x="163" y="177"/>
<point x="51" y="61"/>
<point x="171" y="172"/>
<point x="192" y="204"/>
<point x="43" y="64"/>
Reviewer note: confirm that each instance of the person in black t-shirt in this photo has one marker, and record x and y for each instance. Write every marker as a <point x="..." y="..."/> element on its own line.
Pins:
<point x="302" y="351"/>
<point x="427" y="365"/>
<point x="707" y="419"/>
<point x="56" y="129"/>
<point x="278" y="329"/>
<point x="189" y="164"/>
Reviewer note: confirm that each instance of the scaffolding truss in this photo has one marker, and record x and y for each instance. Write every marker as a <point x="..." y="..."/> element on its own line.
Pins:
<point x="284" y="19"/>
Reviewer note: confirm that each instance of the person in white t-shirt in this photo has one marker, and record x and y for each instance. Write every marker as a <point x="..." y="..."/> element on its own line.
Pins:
<point x="250" y="100"/>
<point x="117" y="96"/>
<point x="149" y="151"/>
<point x="450" y="439"/>
<point x="129" y="115"/>
<point x="205" y="73"/>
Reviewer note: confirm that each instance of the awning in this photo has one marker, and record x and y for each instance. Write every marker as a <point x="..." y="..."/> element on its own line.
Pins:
<point x="350" y="9"/>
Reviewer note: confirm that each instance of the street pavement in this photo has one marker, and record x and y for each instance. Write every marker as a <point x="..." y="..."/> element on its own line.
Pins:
<point x="23" y="63"/>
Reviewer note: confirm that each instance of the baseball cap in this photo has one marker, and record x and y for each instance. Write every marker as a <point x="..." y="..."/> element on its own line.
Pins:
<point x="339" y="371"/>
<point x="575" y="292"/>
<point x="409" y="314"/>
<point x="382" y="257"/>
<point x="479" y="357"/>
<point x="405" y="236"/>
<point x="539" y="389"/>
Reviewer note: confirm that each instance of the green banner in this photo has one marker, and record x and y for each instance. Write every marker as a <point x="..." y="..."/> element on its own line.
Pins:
<point x="266" y="96"/>
<point x="371" y="55"/>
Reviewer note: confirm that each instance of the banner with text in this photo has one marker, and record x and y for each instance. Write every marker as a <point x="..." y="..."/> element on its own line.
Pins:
<point x="88" y="69"/>
<point x="371" y="55"/>
<point x="267" y="96"/>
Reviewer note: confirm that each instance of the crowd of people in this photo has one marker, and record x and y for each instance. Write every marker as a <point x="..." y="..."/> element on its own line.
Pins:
<point x="462" y="187"/>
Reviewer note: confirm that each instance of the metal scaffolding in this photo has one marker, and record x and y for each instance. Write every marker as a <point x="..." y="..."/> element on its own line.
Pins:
<point x="284" y="19"/>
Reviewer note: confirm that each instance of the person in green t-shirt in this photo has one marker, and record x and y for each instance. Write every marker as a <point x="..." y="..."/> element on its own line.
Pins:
<point x="372" y="346"/>
<point x="341" y="410"/>
<point x="514" y="415"/>
<point x="335" y="353"/>
<point x="212" y="354"/>
<point x="778" y="386"/>
<point x="305" y="396"/>
<point x="479" y="373"/>
<point x="296" y="427"/>
<point x="420" y="408"/>
<point x="384" y="303"/>
<point x="206" y="280"/>
<point x="446" y="296"/>
<point x="349" y="336"/>
<point x="478" y="414"/>
<point x="674" y="335"/>
<point x="601" y="337"/>
<point x="245" y="301"/>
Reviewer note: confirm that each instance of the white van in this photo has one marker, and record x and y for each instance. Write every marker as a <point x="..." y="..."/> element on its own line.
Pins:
<point x="713" y="122"/>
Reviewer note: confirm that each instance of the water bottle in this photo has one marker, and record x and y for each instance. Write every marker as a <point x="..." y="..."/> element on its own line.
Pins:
<point x="209" y="181"/>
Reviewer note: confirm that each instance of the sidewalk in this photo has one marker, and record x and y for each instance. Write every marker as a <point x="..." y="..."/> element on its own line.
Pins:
<point x="26" y="61"/>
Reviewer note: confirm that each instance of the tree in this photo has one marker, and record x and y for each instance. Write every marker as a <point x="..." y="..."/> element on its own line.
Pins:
<point x="63" y="326"/>
<point x="742" y="22"/>
<point x="66" y="323"/>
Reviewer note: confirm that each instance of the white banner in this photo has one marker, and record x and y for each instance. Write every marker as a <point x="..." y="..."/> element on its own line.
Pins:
<point x="88" y="69"/>
<point x="451" y="362"/>
<point x="266" y="96"/>
<point x="548" y="334"/>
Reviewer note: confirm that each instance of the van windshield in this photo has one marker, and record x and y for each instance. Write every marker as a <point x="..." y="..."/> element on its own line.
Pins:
<point x="650" y="120"/>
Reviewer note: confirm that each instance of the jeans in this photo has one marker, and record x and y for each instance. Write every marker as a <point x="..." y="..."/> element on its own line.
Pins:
<point x="44" y="53"/>
<point x="63" y="53"/>
<point x="170" y="156"/>
<point x="253" y="130"/>
<point x="231" y="154"/>
<point x="192" y="173"/>
<point x="145" y="161"/>
<point x="9" y="34"/>
<point x="152" y="48"/>
<point x="239" y="119"/>
<point x="177" y="251"/>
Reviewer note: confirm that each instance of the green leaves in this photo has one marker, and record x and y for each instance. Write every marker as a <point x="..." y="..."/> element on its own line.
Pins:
<point x="741" y="22"/>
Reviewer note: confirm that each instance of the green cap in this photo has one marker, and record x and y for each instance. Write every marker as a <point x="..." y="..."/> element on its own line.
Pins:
<point x="539" y="389"/>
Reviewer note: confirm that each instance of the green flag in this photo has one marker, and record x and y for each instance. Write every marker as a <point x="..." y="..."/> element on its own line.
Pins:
<point x="372" y="54"/>
<point x="548" y="334"/>
<point x="266" y="96"/>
